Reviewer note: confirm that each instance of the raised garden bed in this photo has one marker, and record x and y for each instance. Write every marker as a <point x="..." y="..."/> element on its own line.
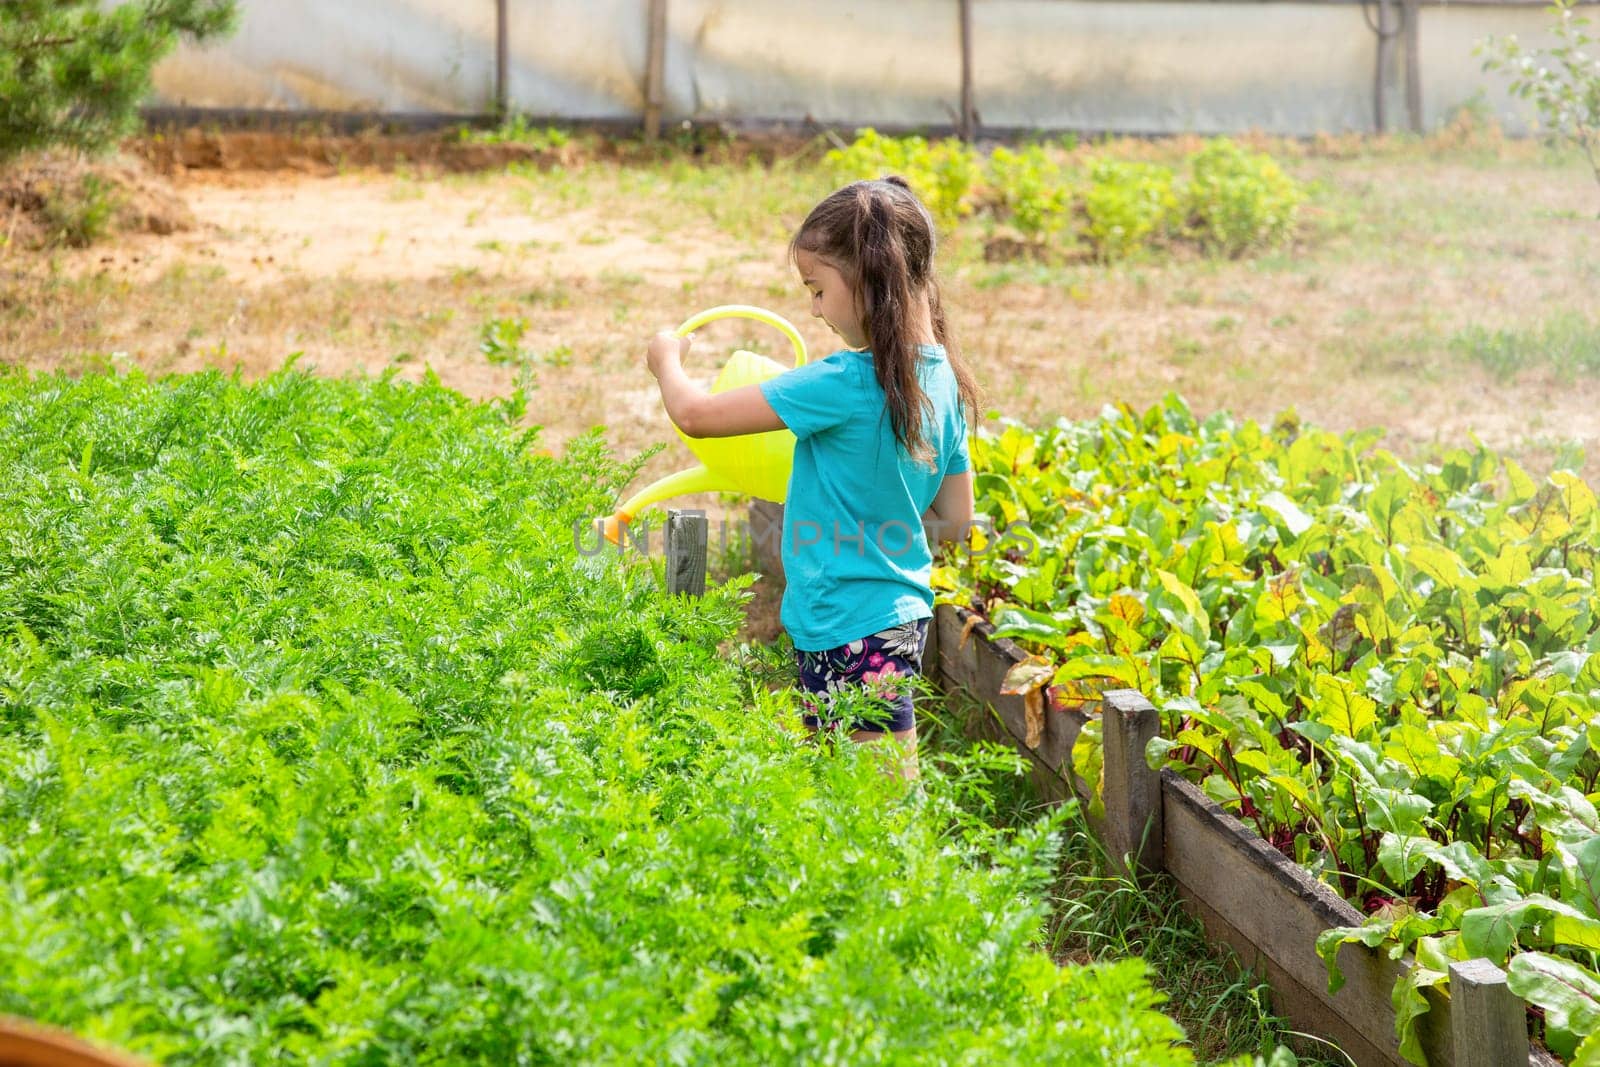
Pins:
<point x="1245" y="892"/>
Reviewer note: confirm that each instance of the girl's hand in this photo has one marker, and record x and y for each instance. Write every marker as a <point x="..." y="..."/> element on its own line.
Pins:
<point x="666" y="349"/>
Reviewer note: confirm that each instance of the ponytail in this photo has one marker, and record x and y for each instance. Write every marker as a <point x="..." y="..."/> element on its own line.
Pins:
<point x="883" y="240"/>
<point x="885" y="284"/>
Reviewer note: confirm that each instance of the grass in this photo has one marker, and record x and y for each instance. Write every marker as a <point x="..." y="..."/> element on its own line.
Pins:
<point x="1099" y="913"/>
<point x="1567" y="345"/>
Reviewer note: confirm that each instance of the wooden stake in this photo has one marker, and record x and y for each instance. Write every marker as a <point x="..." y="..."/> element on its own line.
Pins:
<point x="655" y="58"/>
<point x="686" y="552"/>
<point x="1488" y="1022"/>
<point x="1413" y="42"/>
<point x="502" y="61"/>
<point x="969" y="115"/>
<point x="1134" y="833"/>
<point x="1380" y="81"/>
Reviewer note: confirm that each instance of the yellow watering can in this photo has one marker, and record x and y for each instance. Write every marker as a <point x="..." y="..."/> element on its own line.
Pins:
<point x="756" y="464"/>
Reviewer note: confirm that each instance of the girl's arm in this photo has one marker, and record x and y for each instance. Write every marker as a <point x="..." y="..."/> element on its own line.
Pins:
<point x="950" y="514"/>
<point x="697" y="412"/>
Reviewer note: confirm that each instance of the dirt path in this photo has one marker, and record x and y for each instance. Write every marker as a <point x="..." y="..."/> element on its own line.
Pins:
<point x="378" y="227"/>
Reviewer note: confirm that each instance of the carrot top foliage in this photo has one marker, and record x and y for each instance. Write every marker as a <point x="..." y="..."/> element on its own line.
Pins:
<point x="318" y="743"/>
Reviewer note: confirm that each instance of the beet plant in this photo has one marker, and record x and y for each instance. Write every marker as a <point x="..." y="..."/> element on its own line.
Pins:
<point x="1390" y="670"/>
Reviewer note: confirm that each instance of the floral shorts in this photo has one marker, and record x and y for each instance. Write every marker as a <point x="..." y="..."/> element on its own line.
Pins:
<point x="874" y="663"/>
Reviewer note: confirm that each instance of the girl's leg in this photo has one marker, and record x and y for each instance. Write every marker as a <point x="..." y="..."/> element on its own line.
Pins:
<point x="881" y="663"/>
<point x="905" y="744"/>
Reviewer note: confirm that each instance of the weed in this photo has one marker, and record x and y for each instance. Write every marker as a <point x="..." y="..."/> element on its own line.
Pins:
<point x="78" y="212"/>
<point x="500" y="340"/>
<point x="1127" y="205"/>
<point x="517" y="130"/>
<point x="1568" y="344"/>
<point x="1239" y="200"/>
<point x="554" y="295"/>
<point x="612" y="279"/>
<point x="943" y="173"/>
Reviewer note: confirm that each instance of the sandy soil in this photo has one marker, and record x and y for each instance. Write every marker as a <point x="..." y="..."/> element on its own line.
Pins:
<point x="373" y="228"/>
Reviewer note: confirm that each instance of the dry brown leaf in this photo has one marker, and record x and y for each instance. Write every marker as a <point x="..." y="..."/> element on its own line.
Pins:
<point x="1024" y="677"/>
<point x="966" y="631"/>
<point x="1033" y="714"/>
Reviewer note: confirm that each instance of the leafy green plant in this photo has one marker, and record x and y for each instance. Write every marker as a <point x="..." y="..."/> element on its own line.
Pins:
<point x="500" y="340"/>
<point x="517" y="130"/>
<point x="1033" y="191"/>
<point x="1237" y="200"/>
<point x="1127" y="204"/>
<point x="1392" y="672"/>
<point x="72" y="72"/>
<point x="322" y="739"/>
<point x="1562" y="81"/>
<point x="943" y="173"/>
<point x="78" y="210"/>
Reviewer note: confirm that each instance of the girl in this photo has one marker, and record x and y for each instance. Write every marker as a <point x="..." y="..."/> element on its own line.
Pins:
<point x="880" y="464"/>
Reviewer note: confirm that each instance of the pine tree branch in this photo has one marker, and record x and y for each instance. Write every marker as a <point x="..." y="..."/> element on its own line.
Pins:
<point x="46" y="42"/>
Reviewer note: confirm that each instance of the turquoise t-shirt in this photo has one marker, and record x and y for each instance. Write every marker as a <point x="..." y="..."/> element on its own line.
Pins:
<point x="855" y="555"/>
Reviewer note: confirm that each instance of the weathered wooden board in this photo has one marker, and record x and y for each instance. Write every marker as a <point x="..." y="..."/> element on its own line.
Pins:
<point x="1276" y="910"/>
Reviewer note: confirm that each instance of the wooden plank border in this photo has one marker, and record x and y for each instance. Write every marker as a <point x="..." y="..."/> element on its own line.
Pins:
<point x="24" y="1043"/>
<point x="964" y="653"/>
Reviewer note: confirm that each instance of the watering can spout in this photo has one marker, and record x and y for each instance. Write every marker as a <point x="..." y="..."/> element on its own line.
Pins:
<point x="755" y="464"/>
<point x="697" y="479"/>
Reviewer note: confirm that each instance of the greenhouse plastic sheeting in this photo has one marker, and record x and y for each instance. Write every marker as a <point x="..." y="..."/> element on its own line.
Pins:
<point x="1144" y="66"/>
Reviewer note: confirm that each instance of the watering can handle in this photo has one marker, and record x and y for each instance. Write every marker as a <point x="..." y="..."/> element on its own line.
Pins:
<point x="748" y="311"/>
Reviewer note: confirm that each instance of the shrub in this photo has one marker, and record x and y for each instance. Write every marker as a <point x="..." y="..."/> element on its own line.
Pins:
<point x="1238" y="200"/>
<point x="943" y="173"/>
<point x="1235" y="200"/>
<point x="78" y="210"/>
<point x="1127" y="204"/>
<point x="1032" y="190"/>
<point x="1562" y="81"/>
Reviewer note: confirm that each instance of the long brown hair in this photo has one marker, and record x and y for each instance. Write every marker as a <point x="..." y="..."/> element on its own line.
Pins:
<point x="881" y="238"/>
